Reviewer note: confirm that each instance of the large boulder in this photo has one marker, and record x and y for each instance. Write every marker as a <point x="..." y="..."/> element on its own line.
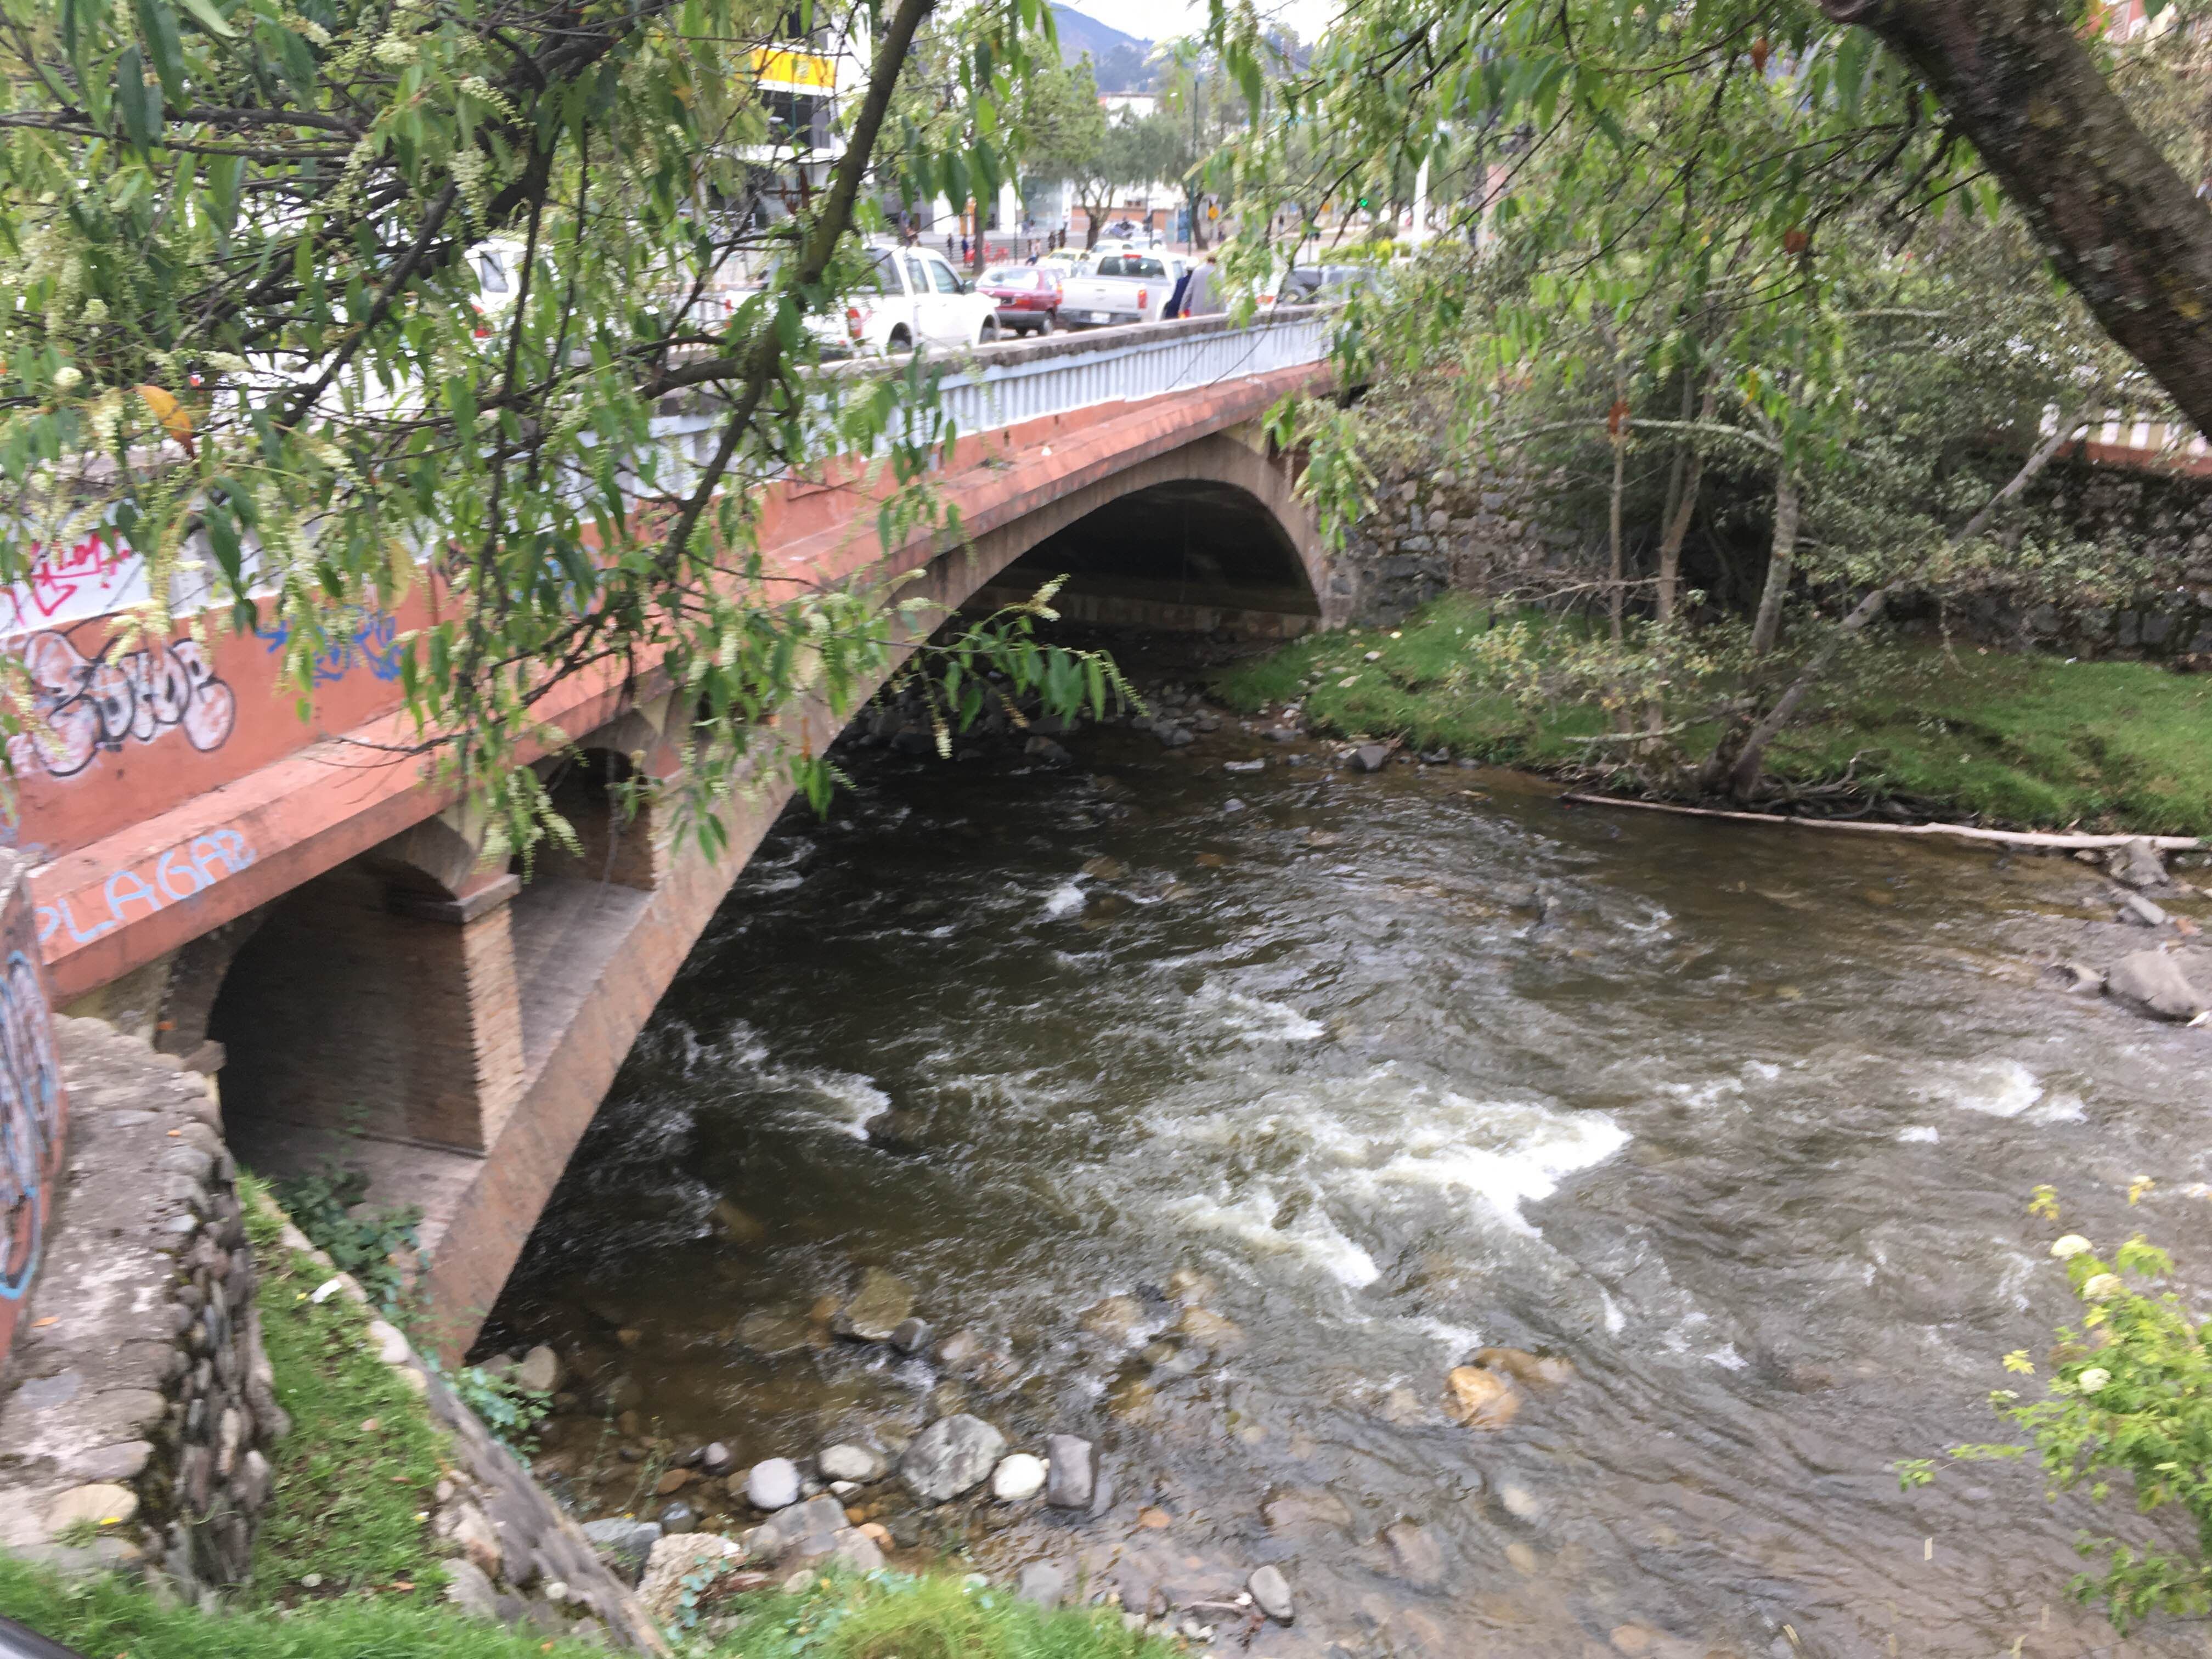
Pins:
<point x="1270" y="1594"/>
<point x="2152" y="982"/>
<point x="952" y="1456"/>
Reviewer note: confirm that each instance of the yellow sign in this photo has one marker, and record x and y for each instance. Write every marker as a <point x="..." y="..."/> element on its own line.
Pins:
<point x="793" y="69"/>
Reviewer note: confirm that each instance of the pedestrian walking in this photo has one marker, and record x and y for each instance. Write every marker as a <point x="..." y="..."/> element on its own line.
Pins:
<point x="1199" y="296"/>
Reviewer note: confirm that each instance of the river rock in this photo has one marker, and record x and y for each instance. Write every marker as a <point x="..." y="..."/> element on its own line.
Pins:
<point x="623" y="1544"/>
<point x="1482" y="1399"/>
<point x="912" y="1335"/>
<point x="1270" y="1594"/>
<point x="877" y="1308"/>
<point x="715" y="1458"/>
<point x="677" y="1517"/>
<point x="538" y="1370"/>
<point x="1071" y="1471"/>
<point x="773" y="1484"/>
<point x="1415" y="1559"/>
<point x="2136" y="863"/>
<point x="1044" y="1583"/>
<point x="1537" y="1371"/>
<point x="1371" y="756"/>
<point x="2152" y="982"/>
<point x="1115" y="1320"/>
<point x="952" y="1456"/>
<point x="854" y="1550"/>
<point x="1210" y="1329"/>
<point x="675" y="1559"/>
<point x="1293" y="1510"/>
<point x="736" y="1225"/>
<point x="2139" y="910"/>
<point x="845" y="1461"/>
<point x="1017" y="1479"/>
<point x="804" y="1532"/>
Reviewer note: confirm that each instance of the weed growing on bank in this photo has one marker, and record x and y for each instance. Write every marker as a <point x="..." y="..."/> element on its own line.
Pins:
<point x="2013" y="738"/>
<point x="355" y="1477"/>
<point x="107" y="1618"/>
<point x="2127" y="1405"/>
<point x="897" y="1615"/>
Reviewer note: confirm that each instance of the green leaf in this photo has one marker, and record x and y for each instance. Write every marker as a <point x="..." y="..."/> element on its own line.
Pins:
<point x="157" y="31"/>
<point x="204" y="14"/>
<point x="137" y="103"/>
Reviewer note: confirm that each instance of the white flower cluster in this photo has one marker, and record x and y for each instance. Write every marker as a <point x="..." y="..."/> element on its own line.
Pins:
<point x="2101" y="1287"/>
<point x="394" y="52"/>
<point x="67" y="378"/>
<point x="2094" y="1380"/>
<point x="2072" y="1245"/>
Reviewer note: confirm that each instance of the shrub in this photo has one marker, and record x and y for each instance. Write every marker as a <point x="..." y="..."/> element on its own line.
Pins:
<point x="2128" y="1400"/>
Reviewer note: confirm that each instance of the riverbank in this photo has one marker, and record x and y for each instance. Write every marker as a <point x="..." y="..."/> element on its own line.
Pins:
<point x="2032" y="742"/>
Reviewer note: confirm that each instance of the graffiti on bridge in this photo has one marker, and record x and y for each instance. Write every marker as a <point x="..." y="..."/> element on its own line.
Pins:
<point x="187" y="868"/>
<point x="33" y="1109"/>
<point x="368" y="641"/>
<point x="82" y="705"/>
<point x="92" y="576"/>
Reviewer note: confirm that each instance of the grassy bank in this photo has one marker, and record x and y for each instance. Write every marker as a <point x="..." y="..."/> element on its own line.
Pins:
<point x="2031" y="741"/>
<point x="355" y="1477"/>
<point x="887" y="1615"/>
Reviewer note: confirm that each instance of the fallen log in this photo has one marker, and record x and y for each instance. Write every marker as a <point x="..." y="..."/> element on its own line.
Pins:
<point x="2059" y="840"/>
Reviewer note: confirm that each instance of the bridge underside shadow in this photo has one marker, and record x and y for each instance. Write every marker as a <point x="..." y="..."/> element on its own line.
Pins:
<point x="450" y="1028"/>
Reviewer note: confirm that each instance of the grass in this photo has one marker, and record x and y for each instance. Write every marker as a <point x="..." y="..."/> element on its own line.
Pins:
<point x="355" y="1477"/>
<point x="2013" y="738"/>
<point x="106" y="1618"/>
<point x="892" y="1615"/>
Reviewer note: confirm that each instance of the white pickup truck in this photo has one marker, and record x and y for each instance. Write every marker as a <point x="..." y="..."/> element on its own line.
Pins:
<point x="1119" y="286"/>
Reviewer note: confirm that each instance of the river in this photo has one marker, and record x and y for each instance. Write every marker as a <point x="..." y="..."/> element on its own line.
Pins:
<point x="1380" y="1070"/>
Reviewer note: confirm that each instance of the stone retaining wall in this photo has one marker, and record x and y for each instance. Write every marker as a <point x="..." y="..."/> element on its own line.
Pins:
<point x="137" y="1396"/>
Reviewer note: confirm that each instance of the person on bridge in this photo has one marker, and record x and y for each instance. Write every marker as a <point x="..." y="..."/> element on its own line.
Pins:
<point x="1199" y="297"/>
<point x="1175" y="300"/>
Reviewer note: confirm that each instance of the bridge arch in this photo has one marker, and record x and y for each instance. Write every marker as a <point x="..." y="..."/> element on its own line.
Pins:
<point x="385" y="995"/>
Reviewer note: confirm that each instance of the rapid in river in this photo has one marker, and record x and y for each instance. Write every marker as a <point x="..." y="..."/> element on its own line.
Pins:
<point x="1218" y="1114"/>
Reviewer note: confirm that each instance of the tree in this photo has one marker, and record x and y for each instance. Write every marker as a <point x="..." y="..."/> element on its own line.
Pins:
<point x="239" y="323"/>
<point x="2119" y="220"/>
<point x="1068" y="125"/>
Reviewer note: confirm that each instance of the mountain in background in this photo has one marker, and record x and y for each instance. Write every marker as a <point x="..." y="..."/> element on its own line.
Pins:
<point x="1117" y="59"/>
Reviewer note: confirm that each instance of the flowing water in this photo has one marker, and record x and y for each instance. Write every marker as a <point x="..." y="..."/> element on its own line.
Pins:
<point x="1378" y="1071"/>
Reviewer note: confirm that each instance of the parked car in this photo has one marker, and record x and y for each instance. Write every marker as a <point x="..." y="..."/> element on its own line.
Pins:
<point x="1120" y="287"/>
<point x="1308" y="285"/>
<point x="1027" y="297"/>
<point x="911" y="300"/>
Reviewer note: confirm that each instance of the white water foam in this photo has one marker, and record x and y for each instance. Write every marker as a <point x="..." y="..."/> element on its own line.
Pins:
<point x="2001" y="1088"/>
<point x="1919" y="1132"/>
<point x="1503" y="1153"/>
<point x="1064" y="900"/>
<point x="1255" y="1019"/>
<point x="1313" y="1240"/>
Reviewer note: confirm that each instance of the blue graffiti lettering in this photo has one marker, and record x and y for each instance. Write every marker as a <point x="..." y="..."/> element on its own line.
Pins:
<point x="368" y="642"/>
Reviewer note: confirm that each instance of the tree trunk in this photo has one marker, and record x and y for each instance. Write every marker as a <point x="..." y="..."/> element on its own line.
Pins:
<point x="2125" y="229"/>
<point x="1678" y="521"/>
<point x="1780" y="566"/>
<point x="1614" y="596"/>
<point x="1743" y="771"/>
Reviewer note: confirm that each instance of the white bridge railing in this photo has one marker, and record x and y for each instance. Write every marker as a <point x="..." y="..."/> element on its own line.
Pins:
<point x="981" y="389"/>
<point x="985" y="388"/>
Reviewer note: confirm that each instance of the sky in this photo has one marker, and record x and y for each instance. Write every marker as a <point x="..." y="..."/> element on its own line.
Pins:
<point x="1162" y="19"/>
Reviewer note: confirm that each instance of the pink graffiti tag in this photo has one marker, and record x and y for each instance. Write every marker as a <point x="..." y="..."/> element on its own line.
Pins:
<point x="58" y="575"/>
<point x="187" y="868"/>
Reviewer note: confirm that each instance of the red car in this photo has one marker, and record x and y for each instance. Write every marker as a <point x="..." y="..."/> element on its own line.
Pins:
<point x="1028" y="298"/>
